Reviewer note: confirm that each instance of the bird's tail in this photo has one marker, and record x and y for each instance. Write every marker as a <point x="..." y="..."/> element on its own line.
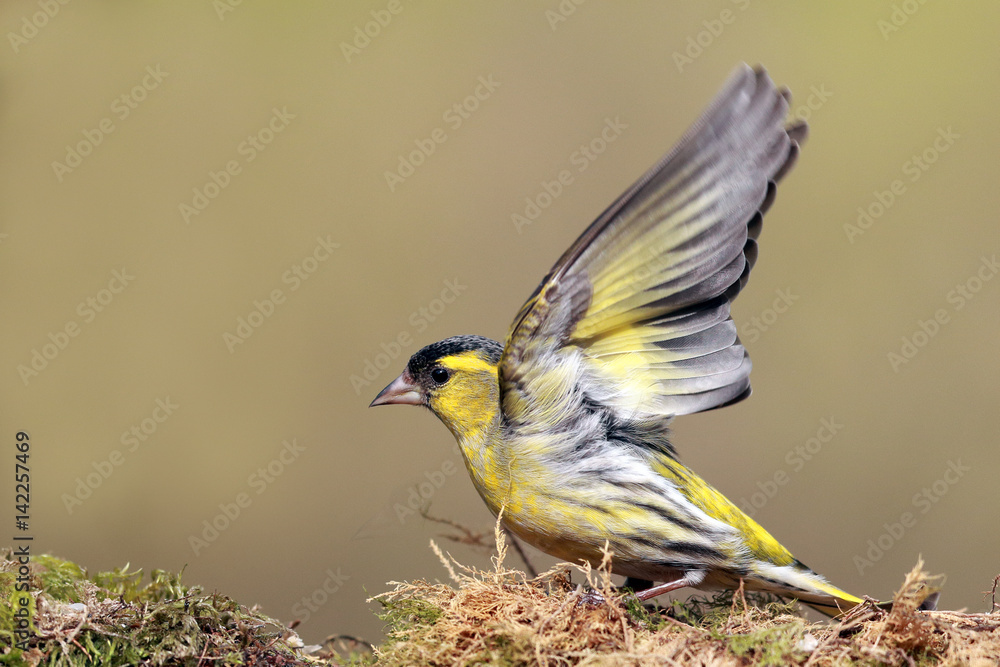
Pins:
<point x="799" y="582"/>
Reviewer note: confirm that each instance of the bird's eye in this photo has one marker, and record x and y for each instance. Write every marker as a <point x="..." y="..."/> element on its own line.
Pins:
<point x="439" y="375"/>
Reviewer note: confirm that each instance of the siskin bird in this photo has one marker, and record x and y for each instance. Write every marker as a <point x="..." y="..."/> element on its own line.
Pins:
<point x="565" y="426"/>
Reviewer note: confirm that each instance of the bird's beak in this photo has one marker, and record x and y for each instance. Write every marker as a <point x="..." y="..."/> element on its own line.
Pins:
<point x="401" y="391"/>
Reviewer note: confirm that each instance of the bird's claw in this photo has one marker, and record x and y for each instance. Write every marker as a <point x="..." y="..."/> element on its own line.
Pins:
<point x="592" y="599"/>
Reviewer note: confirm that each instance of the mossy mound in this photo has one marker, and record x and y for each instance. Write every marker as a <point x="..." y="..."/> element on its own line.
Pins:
<point x="500" y="617"/>
<point x="115" y="618"/>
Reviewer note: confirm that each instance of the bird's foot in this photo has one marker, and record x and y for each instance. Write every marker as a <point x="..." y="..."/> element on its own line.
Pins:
<point x="592" y="599"/>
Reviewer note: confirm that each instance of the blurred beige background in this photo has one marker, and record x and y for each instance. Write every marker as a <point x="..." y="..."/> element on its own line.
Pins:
<point x="168" y="167"/>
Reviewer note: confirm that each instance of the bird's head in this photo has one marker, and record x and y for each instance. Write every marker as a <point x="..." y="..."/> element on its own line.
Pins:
<point x="456" y="378"/>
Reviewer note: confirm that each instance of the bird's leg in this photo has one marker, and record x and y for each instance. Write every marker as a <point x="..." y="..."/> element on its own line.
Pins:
<point x="690" y="578"/>
<point x="643" y="589"/>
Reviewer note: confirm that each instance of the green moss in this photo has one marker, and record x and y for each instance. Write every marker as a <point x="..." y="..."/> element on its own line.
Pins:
<point x="128" y="585"/>
<point x="775" y="646"/>
<point x="59" y="578"/>
<point x="406" y="616"/>
<point x="117" y="618"/>
<point x="358" y="659"/>
<point x="400" y="614"/>
<point x="711" y="612"/>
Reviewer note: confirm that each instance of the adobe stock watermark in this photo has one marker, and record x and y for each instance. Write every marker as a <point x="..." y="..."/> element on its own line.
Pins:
<point x="814" y="101"/>
<point x="913" y="169"/>
<point x="121" y="108"/>
<point x="923" y="501"/>
<point x="131" y="440"/>
<point x="364" y="34"/>
<point x="310" y="604"/>
<point x="294" y="277"/>
<point x="408" y="502"/>
<point x="697" y="43"/>
<point x="957" y="298"/>
<point x="580" y="160"/>
<point x="248" y="149"/>
<point x="796" y="459"/>
<point x="30" y="25"/>
<point x="454" y="117"/>
<point x="751" y="329"/>
<point x="561" y="12"/>
<point x="899" y="16"/>
<point x="87" y="311"/>
<point x="419" y="320"/>
<point x="223" y="7"/>
<point x="258" y="482"/>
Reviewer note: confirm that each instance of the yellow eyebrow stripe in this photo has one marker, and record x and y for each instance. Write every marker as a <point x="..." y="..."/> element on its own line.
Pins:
<point x="468" y="361"/>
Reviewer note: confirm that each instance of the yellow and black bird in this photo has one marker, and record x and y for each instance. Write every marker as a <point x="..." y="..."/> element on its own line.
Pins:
<point x="565" y="426"/>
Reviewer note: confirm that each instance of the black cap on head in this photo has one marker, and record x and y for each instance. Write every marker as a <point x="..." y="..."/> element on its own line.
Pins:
<point x="487" y="347"/>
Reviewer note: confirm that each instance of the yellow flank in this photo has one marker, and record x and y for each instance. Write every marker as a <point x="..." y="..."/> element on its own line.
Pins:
<point x="695" y="489"/>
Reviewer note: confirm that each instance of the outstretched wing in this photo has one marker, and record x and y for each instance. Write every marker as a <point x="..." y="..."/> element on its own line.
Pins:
<point x="639" y="304"/>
